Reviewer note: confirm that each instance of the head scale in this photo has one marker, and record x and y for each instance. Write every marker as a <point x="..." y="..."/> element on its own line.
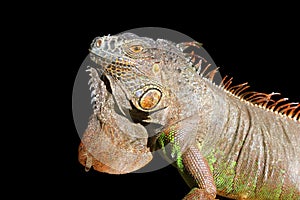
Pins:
<point x="134" y="62"/>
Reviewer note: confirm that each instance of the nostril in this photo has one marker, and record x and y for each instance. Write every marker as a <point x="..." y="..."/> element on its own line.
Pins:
<point x="98" y="43"/>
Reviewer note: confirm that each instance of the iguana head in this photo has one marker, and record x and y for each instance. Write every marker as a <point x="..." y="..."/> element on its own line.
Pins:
<point x="138" y="65"/>
<point x="138" y="73"/>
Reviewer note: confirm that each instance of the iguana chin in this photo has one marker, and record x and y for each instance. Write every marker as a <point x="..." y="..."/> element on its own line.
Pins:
<point x="224" y="139"/>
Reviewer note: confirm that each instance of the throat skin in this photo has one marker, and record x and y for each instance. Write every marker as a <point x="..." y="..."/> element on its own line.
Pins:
<point x="251" y="152"/>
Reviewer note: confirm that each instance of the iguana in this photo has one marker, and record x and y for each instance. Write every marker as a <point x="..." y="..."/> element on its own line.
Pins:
<point x="151" y="94"/>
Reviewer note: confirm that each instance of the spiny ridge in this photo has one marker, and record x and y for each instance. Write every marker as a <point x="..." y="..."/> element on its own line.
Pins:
<point x="266" y="101"/>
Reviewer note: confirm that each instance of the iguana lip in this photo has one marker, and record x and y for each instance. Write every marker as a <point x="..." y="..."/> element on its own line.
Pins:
<point x="113" y="64"/>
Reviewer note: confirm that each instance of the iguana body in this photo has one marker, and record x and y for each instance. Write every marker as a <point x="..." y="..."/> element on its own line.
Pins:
<point x="225" y="141"/>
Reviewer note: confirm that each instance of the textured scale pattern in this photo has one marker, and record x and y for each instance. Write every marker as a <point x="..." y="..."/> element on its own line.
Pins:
<point x="225" y="139"/>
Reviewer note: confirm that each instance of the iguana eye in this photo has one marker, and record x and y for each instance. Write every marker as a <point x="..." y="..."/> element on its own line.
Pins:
<point x="136" y="48"/>
<point x="150" y="99"/>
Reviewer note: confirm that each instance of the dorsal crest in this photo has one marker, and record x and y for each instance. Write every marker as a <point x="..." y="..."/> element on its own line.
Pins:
<point x="266" y="101"/>
<point x="271" y="102"/>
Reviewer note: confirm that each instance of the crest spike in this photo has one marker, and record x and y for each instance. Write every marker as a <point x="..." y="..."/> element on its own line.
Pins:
<point x="278" y="109"/>
<point x="212" y="74"/>
<point x="245" y="94"/>
<point x="223" y="80"/>
<point x="205" y="69"/>
<point x="241" y="90"/>
<point x="198" y="66"/>
<point x="227" y="83"/>
<point x="296" y="115"/>
<point x="272" y="107"/>
<point x="289" y="108"/>
<point x="239" y="87"/>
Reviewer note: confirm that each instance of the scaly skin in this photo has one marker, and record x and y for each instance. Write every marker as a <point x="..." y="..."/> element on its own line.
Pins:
<point x="122" y="146"/>
<point x="222" y="143"/>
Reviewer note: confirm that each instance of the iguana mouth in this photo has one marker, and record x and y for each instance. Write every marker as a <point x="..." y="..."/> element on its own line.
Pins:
<point x="110" y="60"/>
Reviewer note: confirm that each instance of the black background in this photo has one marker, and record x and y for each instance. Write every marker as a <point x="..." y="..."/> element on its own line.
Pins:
<point x="259" y="46"/>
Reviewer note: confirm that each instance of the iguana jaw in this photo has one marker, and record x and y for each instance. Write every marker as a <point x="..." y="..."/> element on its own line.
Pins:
<point x="112" y="142"/>
<point x="117" y="147"/>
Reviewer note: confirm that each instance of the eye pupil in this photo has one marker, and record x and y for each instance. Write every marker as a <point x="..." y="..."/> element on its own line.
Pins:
<point x="150" y="99"/>
<point x="136" y="48"/>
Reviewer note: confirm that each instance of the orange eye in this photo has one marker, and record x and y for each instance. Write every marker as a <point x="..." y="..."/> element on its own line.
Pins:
<point x="98" y="43"/>
<point x="150" y="99"/>
<point x="136" y="48"/>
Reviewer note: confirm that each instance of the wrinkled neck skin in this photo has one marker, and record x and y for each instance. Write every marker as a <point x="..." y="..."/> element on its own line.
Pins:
<point x="189" y="97"/>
